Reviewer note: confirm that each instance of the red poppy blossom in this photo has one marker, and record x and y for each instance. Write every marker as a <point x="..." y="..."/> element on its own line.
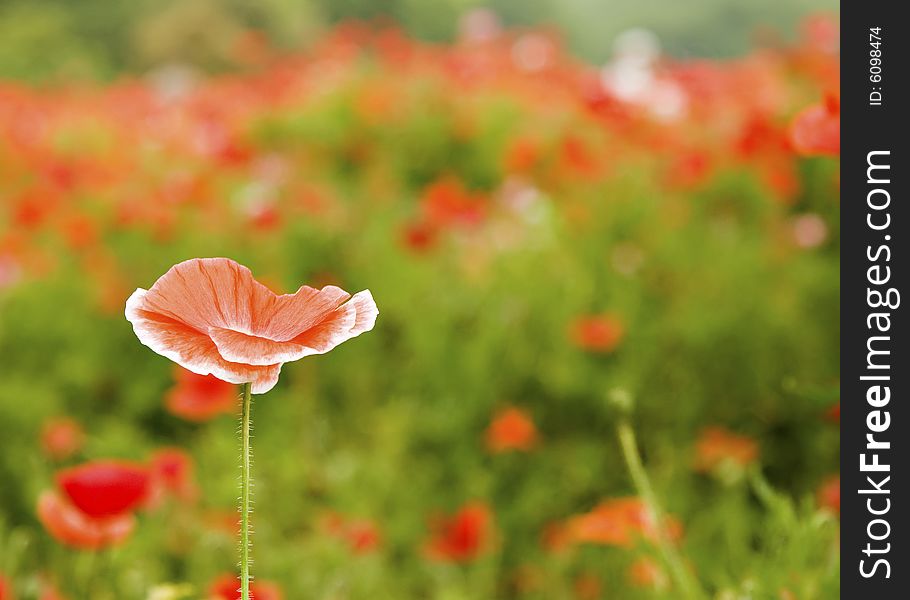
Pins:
<point x="200" y="397"/>
<point x="72" y="527"/>
<point x="829" y="494"/>
<point x="717" y="446"/>
<point x="447" y="202"/>
<point x="227" y="587"/>
<point x="362" y="536"/>
<point x="6" y="590"/>
<point x="172" y="473"/>
<point x="210" y="316"/>
<point x="597" y="333"/>
<point x="105" y="488"/>
<point x="816" y="130"/>
<point x="619" y="522"/>
<point x="511" y="429"/>
<point x="61" y="438"/>
<point x="462" y="537"/>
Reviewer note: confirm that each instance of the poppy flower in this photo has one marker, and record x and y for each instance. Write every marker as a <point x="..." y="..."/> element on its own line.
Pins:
<point x="227" y="587"/>
<point x="511" y="429"/>
<point x="816" y="130"/>
<point x="61" y="438"/>
<point x="70" y="526"/>
<point x="200" y="397"/>
<point x="833" y="413"/>
<point x="172" y="473"/>
<point x="105" y="488"/>
<point x="419" y="236"/>
<point x="447" y="203"/>
<point x="717" y="447"/>
<point x="597" y="333"/>
<point x="6" y="590"/>
<point x="360" y="535"/>
<point x="619" y="522"/>
<point x="462" y="537"/>
<point x="210" y="316"/>
<point x="829" y="494"/>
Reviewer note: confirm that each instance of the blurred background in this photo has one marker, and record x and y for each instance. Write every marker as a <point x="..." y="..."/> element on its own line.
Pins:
<point x="559" y="207"/>
<point x="56" y="39"/>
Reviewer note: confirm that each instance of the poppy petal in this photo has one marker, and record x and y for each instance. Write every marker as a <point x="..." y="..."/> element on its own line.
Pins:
<point x="292" y="314"/>
<point x="72" y="527"/>
<point x="192" y="349"/>
<point x="340" y="324"/>
<point x="348" y="321"/>
<point x="105" y="488"/>
<point x="235" y="346"/>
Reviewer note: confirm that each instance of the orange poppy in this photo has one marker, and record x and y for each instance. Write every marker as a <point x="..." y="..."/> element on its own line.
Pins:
<point x="462" y="537"/>
<point x="597" y="333"/>
<point x="171" y="474"/>
<point x="61" y="438"/>
<point x="104" y="489"/>
<point x="816" y="130"/>
<point x="6" y="590"/>
<point x="361" y="536"/>
<point x="829" y="494"/>
<point x="210" y="316"/>
<point x="717" y="446"/>
<point x="619" y="522"/>
<point x="72" y="527"/>
<point x="511" y="429"/>
<point x="200" y="397"/>
<point x="227" y="587"/>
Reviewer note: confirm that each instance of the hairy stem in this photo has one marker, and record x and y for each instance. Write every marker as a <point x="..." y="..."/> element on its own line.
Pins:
<point x="685" y="582"/>
<point x="245" y="482"/>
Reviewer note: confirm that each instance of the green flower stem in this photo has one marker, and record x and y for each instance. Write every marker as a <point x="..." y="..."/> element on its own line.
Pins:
<point x="245" y="483"/>
<point x="685" y="582"/>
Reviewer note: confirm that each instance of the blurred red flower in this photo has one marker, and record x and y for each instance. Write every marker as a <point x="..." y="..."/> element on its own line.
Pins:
<point x="362" y="536"/>
<point x="105" y="488"/>
<point x="172" y="473"/>
<point x="6" y="589"/>
<point x="419" y="236"/>
<point x="210" y="316"/>
<point x="70" y="526"/>
<point x="511" y="429"/>
<point x="717" y="446"/>
<point x="619" y="522"/>
<point x="521" y="155"/>
<point x="200" y="397"/>
<point x="462" y="537"/>
<point x="227" y="587"/>
<point x="816" y="130"/>
<point x="828" y="494"/>
<point x="61" y="438"/>
<point x="833" y="413"/>
<point x="597" y="333"/>
<point x="447" y="202"/>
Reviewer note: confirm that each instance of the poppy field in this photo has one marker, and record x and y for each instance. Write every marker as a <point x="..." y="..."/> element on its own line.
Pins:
<point x="605" y="361"/>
